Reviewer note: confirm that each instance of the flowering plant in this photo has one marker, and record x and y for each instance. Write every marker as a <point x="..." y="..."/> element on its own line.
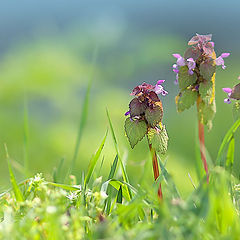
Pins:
<point x="195" y="75"/>
<point x="145" y="118"/>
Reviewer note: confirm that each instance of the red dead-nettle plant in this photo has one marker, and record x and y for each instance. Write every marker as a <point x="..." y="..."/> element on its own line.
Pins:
<point x="145" y="118"/>
<point x="196" y="79"/>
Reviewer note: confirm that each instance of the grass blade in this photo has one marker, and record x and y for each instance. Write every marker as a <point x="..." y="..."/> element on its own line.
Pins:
<point x="120" y="195"/>
<point x="64" y="186"/>
<point x="93" y="162"/>
<point x="124" y="174"/>
<point x="57" y="171"/>
<point x="226" y="140"/>
<point x="15" y="187"/>
<point x="230" y="154"/>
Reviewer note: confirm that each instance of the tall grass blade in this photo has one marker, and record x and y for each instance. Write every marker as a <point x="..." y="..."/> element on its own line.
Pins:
<point x="120" y="195"/>
<point x="15" y="187"/>
<point x="230" y="154"/>
<point x="93" y="161"/>
<point x="225" y="142"/>
<point x="124" y="174"/>
<point x="57" y="174"/>
<point x="64" y="186"/>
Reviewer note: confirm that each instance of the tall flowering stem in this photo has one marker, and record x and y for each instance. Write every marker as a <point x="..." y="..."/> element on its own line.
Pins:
<point x="195" y="75"/>
<point x="145" y="118"/>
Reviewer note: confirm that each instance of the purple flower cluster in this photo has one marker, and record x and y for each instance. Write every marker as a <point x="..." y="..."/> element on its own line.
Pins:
<point x="146" y="96"/>
<point x="202" y="50"/>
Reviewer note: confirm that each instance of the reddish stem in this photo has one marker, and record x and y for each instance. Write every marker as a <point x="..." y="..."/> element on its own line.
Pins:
<point x="202" y="146"/>
<point x="156" y="169"/>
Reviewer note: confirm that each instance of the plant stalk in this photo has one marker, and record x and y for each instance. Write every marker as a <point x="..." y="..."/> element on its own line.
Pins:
<point x="156" y="169"/>
<point x="202" y="143"/>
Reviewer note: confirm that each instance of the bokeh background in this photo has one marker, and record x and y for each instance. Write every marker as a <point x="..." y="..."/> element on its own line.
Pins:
<point x="49" y="51"/>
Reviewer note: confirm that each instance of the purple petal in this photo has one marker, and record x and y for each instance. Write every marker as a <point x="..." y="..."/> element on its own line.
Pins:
<point x="227" y="90"/>
<point x="227" y="100"/>
<point x="164" y="93"/>
<point x="224" y="55"/>
<point x="127" y="113"/>
<point x="212" y="43"/>
<point x="219" y="61"/>
<point x="158" y="89"/>
<point x="181" y="61"/>
<point x="176" y="81"/>
<point x="176" y="55"/>
<point x="159" y="82"/>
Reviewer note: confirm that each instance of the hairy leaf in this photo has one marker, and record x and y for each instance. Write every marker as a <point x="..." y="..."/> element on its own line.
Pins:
<point x="236" y="92"/>
<point x="135" y="130"/>
<point x="207" y="69"/>
<point x="185" y="79"/>
<point x="206" y="113"/>
<point x="192" y="53"/>
<point x="159" y="139"/>
<point x="136" y="107"/>
<point x="186" y="99"/>
<point x="206" y="90"/>
<point x="154" y="114"/>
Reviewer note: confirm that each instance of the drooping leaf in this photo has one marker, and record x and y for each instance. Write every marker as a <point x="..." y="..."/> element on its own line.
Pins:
<point x="154" y="114"/>
<point x="236" y="111"/>
<point x="207" y="69"/>
<point x="185" y="79"/>
<point x="192" y="53"/>
<point x="120" y="195"/>
<point x="136" y="107"/>
<point x="186" y="99"/>
<point x="135" y="130"/>
<point x="159" y="139"/>
<point x="206" y="113"/>
<point x="205" y="90"/>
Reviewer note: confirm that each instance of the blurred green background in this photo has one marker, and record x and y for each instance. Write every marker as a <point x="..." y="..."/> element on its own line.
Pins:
<point x="46" y="57"/>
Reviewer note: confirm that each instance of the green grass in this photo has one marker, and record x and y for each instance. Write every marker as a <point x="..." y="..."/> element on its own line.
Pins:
<point x="102" y="208"/>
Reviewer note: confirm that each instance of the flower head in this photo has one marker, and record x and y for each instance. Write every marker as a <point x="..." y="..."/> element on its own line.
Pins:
<point x="233" y="93"/>
<point x="219" y="61"/>
<point x="228" y="91"/>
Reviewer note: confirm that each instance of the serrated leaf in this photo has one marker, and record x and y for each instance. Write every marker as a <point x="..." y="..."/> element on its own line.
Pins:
<point x="207" y="69"/>
<point x="206" y="113"/>
<point x="135" y="130"/>
<point x="186" y="99"/>
<point x="192" y="53"/>
<point x="154" y="114"/>
<point x="185" y="79"/>
<point x="158" y="139"/>
<point x="136" y="107"/>
<point x="236" y="111"/>
<point x="205" y="90"/>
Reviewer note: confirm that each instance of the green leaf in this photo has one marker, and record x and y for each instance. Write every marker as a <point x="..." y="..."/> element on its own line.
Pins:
<point x="119" y="196"/>
<point x="135" y="130"/>
<point x="207" y="69"/>
<point x="236" y="111"/>
<point x="93" y="161"/>
<point x="154" y="115"/>
<point x="206" y="113"/>
<point x="124" y="172"/>
<point x="185" y="79"/>
<point x="158" y="139"/>
<point x="186" y="99"/>
<point x="230" y="154"/>
<point x="64" y="186"/>
<point x="192" y="53"/>
<point x="136" y="107"/>
<point x="205" y="90"/>
<point x="226" y="140"/>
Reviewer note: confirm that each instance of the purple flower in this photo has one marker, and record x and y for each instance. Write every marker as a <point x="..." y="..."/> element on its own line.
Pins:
<point x="158" y="89"/>
<point x="175" y="68"/>
<point x="229" y="92"/>
<point x="203" y="44"/>
<point x="191" y="65"/>
<point x="180" y="59"/>
<point x="219" y="61"/>
<point x="127" y="113"/>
